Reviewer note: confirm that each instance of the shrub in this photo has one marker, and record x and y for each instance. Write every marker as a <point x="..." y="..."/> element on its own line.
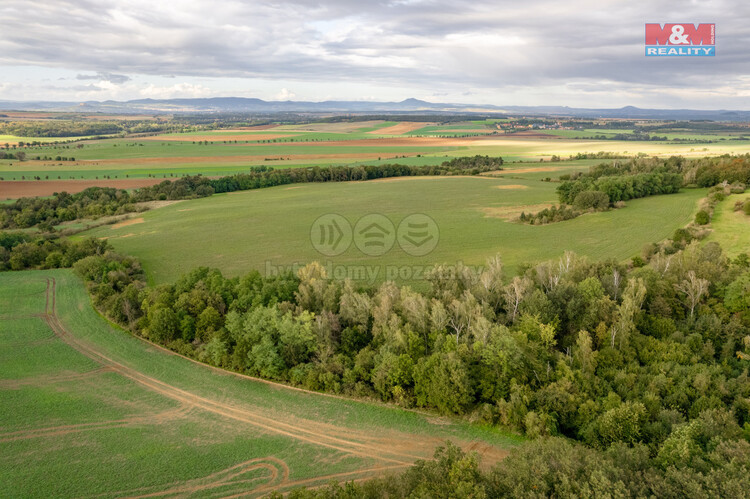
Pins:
<point x="596" y="200"/>
<point x="702" y="218"/>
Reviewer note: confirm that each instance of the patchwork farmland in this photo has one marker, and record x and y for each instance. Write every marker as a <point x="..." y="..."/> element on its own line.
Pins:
<point x="229" y="151"/>
<point x="575" y="305"/>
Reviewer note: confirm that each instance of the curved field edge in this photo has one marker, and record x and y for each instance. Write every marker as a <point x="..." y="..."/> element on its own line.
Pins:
<point x="207" y="419"/>
<point x="269" y="229"/>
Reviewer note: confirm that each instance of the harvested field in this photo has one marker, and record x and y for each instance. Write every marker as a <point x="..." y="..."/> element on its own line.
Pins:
<point x="343" y="127"/>
<point x="512" y="212"/>
<point x="511" y="186"/>
<point x="401" y="128"/>
<point x="152" y="205"/>
<point x="14" y="189"/>
<point x="130" y="221"/>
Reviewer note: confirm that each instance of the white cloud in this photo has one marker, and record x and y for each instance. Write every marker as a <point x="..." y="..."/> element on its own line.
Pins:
<point x="503" y="51"/>
<point x="284" y="94"/>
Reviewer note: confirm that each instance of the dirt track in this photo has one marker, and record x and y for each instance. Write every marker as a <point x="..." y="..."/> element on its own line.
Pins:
<point x="394" y="451"/>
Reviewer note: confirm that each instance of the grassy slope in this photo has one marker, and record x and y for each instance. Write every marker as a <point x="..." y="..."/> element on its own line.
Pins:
<point x="248" y="230"/>
<point x="118" y="434"/>
<point x="731" y="228"/>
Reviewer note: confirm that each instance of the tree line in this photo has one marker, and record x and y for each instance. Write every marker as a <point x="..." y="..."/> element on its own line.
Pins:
<point x="96" y="202"/>
<point x="649" y="362"/>
<point x="622" y="187"/>
<point x="19" y="251"/>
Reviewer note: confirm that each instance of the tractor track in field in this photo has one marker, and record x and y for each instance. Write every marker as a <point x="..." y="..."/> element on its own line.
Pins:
<point x="303" y="431"/>
<point x="233" y="480"/>
<point x="57" y="431"/>
<point x="252" y="478"/>
<point x="48" y="379"/>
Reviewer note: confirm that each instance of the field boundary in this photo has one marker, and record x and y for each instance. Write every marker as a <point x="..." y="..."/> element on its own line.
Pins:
<point x="372" y="451"/>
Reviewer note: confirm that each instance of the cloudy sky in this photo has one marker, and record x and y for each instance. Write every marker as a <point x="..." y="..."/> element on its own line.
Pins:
<point x="587" y="53"/>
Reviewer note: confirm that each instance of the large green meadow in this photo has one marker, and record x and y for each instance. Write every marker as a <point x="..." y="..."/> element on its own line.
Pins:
<point x="269" y="229"/>
<point x="86" y="409"/>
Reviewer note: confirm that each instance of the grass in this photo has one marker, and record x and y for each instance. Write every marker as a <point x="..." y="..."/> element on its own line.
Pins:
<point x="731" y="229"/>
<point x="269" y="229"/>
<point x="115" y="416"/>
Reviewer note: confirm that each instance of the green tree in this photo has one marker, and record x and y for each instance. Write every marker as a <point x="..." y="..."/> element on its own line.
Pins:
<point x="163" y="324"/>
<point x="442" y="381"/>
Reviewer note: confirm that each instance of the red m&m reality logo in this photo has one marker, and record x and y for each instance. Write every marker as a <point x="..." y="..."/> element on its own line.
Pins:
<point x="680" y="39"/>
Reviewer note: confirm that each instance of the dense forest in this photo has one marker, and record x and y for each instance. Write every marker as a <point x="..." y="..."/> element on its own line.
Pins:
<point x="648" y="364"/>
<point x="621" y="187"/>
<point x="701" y="172"/>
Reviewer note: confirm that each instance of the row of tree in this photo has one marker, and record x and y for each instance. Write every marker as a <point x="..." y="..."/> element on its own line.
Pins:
<point x="702" y="172"/>
<point x="96" y="202"/>
<point x="19" y="251"/>
<point x="18" y="155"/>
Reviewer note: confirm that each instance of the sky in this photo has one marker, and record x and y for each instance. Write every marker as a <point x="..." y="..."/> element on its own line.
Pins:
<point x="521" y="52"/>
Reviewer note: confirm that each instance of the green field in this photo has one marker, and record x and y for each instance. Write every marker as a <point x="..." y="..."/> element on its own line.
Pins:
<point x="88" y="410"/>
<point x="319" y="144"/>
<point x="731" y="228"/>
<point x="268" y="229"/>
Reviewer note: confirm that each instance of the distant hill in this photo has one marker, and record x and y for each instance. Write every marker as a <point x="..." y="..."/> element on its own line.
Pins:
<point x="250" y="105"/>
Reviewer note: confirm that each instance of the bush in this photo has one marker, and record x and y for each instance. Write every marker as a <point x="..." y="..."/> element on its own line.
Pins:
<point x="702" y="218"/>
<point x="587" y="200"/>
<point x="746" y="207"/>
